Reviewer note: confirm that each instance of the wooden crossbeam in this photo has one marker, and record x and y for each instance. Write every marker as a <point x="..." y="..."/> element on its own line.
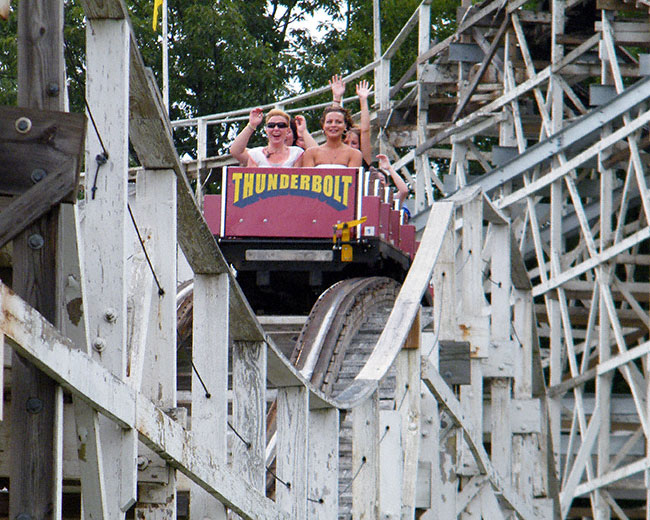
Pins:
<point x="479" y="74"/>
<point x="36" y="339"/>
<point x="33" y="142"/>
<point x="40" y="157"/>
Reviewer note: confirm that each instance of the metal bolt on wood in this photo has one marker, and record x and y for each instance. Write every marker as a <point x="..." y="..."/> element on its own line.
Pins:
<point x="35" y="241"/>
<point x="34" y="405"/>
<point x="23" y="125"/>
<point x="38" y="174"/>
<point x="52" y="89"/>
<point x="110" y="315"/>
<point x="143" y="462"/>
<point x="99" y="344"/>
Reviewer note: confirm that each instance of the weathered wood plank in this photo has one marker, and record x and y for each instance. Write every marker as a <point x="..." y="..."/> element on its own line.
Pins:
<point x="470" y="490"/>
<point x="27" y="208"/>
<point x="102" y="9"/>
<point x="39" y="342"/>
<point x="155" y="209"/>
<point x="365" y="459"/>
<point x="501" y="454"/>
<point x="454" y="362"/>
<point x="408" y="381"/>
<point x="104" y="238"/>
<point x="72" y="323"/>
<point x="210" y="356"/>
<point x="46" y="139"/>
<point x="91" y="468"/>
<point x="34" y="490"/>
<point x="138" y="309"/>
<point x="249" y="411"/>
<point x="322" y="491"/>
<point x="291" y="450"/>
<point x="390" y="465"/>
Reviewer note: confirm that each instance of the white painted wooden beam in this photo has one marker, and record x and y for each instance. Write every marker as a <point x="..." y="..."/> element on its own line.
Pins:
<point x="210" y="357"/>
<point x="322" y="491"/>
<point x="365" y="459"/>
<point x="291" y="451"/>
<point x="448" y="401"/>
<point x="104" y="237"/>
<point x="249" y="362"/>
<point x="391" y="450"/>
<point x="408" y="405"/>
<point x="35" y="339"/>
<point x="155" y="209"/>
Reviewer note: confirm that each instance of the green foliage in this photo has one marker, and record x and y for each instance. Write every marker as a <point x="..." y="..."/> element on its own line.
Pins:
<point x="346" y="50"/>
<point x="229" y="54"/>
<point x="8" y="61"/>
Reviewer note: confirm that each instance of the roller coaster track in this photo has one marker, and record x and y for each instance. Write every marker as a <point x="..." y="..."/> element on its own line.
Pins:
<point x="332" y="347"/>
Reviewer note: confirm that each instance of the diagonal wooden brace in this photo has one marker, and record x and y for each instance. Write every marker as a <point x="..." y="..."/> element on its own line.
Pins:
<point x="40" y="158"/>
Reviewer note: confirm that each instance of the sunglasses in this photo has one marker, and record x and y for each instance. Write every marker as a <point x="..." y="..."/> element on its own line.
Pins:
<point x="276" y="125"/>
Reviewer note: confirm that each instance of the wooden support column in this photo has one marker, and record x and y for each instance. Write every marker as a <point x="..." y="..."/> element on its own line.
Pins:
<point x="210" y="356"/>
<point x="556" y="94"/>
<point x="470" y="278"/>
<point x="249" y="411"/>
<point x="524" y="446"/>
<point x="41" y="82"/>
<point x="73" y="324"/>
<point x="407" y="386"/>
<point x="376" y="31"/>
<point x="155" y="209"/>
<point x="322" y="490"/>
<point x="441" y="451"/>
<point x="391" y="451"/>
<point x="201" y="154"/>
<point x="503" y="350"/>
<point x="523" y="323"/>
<point x="365" y="459"/>
<point x="291" y="450"/>
<point x="104" y="242"/>
<point x="424" y="190"/>
<point x="604" y="381"/>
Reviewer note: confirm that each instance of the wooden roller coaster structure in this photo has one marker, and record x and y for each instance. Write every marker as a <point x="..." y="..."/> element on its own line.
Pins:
<point x="522" y="392"/>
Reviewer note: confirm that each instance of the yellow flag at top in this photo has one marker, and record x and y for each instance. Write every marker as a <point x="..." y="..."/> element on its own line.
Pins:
<point x="156" y="5"/>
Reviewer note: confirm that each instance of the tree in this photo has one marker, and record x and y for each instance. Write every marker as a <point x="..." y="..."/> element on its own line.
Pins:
<point x="229" y="54"/>
<point x="348" y="49"/>
<point x="8" y="61"/>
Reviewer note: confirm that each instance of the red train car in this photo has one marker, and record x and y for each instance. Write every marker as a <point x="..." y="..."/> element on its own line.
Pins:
<point x="292" y="232"/>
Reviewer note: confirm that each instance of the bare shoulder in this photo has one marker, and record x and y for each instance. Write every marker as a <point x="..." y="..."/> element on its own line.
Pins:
<point x="355" y="157"/>
<point x="308" y="158"/>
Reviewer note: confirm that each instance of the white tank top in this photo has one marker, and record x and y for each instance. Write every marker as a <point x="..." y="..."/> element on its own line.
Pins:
<point x="257" y="154"/>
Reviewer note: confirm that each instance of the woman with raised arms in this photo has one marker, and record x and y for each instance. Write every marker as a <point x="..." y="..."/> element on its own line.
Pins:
<point x="278" y="152"/>
<point x="334" y="152"/>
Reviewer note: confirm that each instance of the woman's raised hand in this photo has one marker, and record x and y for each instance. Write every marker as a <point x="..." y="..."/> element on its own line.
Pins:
<point x="383" y="161"/>
<point x="338" y="88"/>
<point x="255" y="117"/>
<point x="301" y="124"/>
<point x="363" y="89"/>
